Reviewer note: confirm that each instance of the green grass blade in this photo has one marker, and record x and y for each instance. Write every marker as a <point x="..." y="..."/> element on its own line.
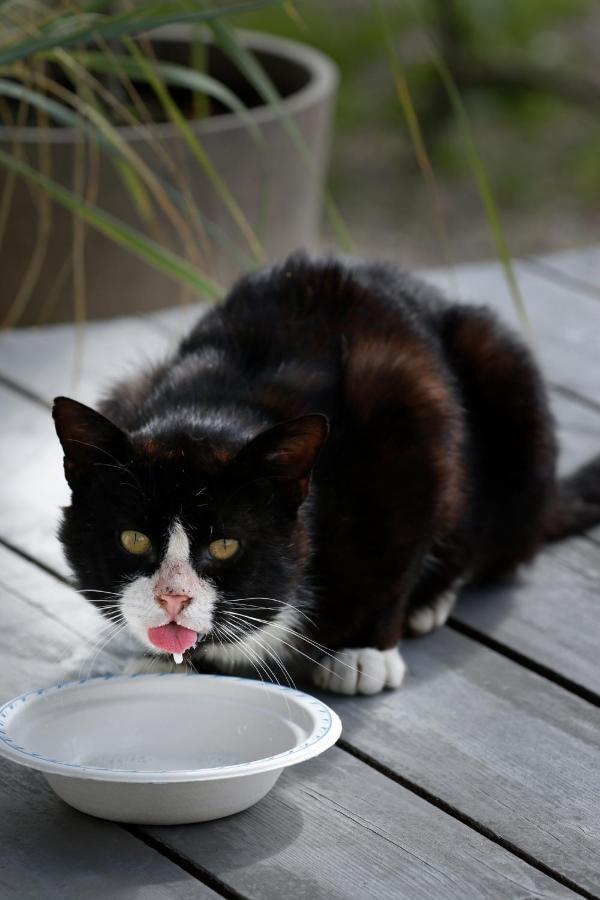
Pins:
<point x="256" y="75"/>
<point x="67" y="117"/>
<point x="200" y="155"/>
<point x="414" y="130"/>
<point x="118" y="26"/>
<point x="160" y="258"/>
<point x="484" y="188"/>
<point x="173" y="75"/>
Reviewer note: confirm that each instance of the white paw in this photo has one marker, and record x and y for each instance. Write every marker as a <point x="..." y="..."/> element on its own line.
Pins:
<point x="426" y="618"/>
<point x="150" y="665"/>
<point x="360" y="671"/>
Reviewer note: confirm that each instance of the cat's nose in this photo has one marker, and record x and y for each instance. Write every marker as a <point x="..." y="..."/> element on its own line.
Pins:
<point x="173" y="603"/>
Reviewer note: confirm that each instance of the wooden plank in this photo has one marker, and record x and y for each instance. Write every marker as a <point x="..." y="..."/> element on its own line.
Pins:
<point x="49" y="632"/>
<point x="50" y="851"/>
<point x="33" y="486"/>
<point x="498" y="743"/>
<point x="59" y="359"/>
<point x="578" y="431"/>
<point x="550" y="613"/>
<point x="565" y="324"/>
<point x="333" y="827"/>
<point x="576" y="269"/>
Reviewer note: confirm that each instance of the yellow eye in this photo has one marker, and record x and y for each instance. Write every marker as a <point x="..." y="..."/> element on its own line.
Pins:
<point x="135" y="542"/>
<point x="224" y="548"/>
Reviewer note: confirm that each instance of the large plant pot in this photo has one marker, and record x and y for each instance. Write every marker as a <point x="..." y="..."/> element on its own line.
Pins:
<point x="278" y="191"/>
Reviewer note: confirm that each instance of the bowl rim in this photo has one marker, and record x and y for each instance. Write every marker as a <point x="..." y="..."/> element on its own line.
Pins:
<point x="326" y="730"/>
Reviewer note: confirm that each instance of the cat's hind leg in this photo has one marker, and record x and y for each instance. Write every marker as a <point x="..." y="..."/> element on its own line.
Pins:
<point x="360" y="670"/>
<point x="433" y="615"/>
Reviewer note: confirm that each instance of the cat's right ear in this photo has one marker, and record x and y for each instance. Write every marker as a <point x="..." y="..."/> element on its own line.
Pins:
<point x="88" y="439"/>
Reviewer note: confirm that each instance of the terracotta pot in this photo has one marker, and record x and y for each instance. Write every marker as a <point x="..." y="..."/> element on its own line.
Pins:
<point x="279" y="193"/>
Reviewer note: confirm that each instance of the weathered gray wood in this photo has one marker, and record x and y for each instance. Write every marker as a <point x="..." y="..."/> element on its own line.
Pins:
<point x="495" y="741"/>
<point x="578" y="430"/>
<point x="565" y="325"/>
<point x="550" y="612"/>
<point x="49" y="632"/>
<point x="336" y="829"/>
<point x="60" y="359"/>
<point x="33" y="487"/>
<point x="50" y="851"/>
<point x="576" y="269"/>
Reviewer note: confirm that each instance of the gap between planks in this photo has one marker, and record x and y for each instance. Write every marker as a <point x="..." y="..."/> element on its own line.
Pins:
<point x="465" y="819"/>
<point x="200" y="873"/>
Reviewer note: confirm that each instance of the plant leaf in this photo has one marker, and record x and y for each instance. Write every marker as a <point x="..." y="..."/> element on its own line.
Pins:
<point x="159" y="257"/>
<point x="484" y="188"/>
<point x="257" y="76"/>
<point x="135" y="21"/>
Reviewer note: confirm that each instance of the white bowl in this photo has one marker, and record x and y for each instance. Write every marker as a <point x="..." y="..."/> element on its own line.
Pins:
<point x="164" y="749"/>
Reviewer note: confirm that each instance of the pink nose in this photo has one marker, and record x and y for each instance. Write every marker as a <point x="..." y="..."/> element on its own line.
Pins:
<point x="173" y="603"/>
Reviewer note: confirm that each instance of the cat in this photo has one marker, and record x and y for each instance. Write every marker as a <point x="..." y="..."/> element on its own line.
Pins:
<point x="314" y="474"/>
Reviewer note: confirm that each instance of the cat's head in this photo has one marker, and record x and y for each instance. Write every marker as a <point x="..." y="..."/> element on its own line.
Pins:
<point x="187" y="538"/>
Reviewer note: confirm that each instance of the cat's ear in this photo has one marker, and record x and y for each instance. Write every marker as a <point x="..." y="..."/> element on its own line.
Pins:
<point x="88" y="438"/>
<point x="287" y="452"/>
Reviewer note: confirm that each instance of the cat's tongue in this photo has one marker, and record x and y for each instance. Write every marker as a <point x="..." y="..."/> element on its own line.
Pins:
<point x="173" y="638"/>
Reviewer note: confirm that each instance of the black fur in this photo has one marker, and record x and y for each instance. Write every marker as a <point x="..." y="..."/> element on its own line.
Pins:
<point x="440" y="462"/>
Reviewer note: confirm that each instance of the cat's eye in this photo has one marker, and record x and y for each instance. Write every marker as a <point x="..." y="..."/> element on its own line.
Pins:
<point x="224" y="548"/>
<point x="135" y="542"/>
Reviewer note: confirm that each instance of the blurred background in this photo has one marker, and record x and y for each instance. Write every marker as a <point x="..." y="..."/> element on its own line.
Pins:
<point x="143" y="167"/>
<point x="527" y="72"/>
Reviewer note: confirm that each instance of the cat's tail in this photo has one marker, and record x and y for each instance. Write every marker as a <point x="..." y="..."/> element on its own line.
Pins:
<point x="577" y="503"/>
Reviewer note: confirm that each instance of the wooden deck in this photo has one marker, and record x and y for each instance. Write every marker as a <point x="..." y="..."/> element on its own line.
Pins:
<point x="479" y="779"/>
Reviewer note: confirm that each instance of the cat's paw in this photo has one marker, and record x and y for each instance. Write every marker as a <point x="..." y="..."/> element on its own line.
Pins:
<point x="150" y="665"/>
<point x="362" y="670"/>
<point x="427" y="618"/>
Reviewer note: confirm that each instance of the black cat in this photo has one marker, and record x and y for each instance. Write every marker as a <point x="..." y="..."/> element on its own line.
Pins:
<point x="223" y="525"/>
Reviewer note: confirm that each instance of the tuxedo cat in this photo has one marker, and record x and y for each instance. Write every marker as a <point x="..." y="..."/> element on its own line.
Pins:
<point x="314" y="473"/>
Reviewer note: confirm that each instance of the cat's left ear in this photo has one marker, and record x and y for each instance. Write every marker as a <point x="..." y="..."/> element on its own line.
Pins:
<point x="287" y="452"/>
<point x="88" y="438"/>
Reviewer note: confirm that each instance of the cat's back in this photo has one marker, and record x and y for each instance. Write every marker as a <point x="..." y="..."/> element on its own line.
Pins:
<point x="308" y="306"/>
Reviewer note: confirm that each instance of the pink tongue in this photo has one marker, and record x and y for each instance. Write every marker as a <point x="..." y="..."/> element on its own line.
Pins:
<point x="172" y="637"/>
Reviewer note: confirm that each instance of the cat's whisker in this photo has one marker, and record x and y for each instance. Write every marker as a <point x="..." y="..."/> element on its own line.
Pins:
<point x="245" y="650"/>
<point x="317" y="646"/>
<point x="269" y="651"/>
<point x="291" y="631"/>
<point x="235" y="641"/>
<point x="108" y="634"/>
<point x="273" y="600"/>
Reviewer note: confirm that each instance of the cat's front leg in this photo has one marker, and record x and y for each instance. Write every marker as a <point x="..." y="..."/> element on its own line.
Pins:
<point x="359" y="670"/>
